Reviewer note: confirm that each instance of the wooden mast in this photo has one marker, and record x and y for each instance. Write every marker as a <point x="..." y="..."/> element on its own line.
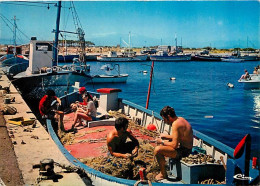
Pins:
<point x="57" y="31"/>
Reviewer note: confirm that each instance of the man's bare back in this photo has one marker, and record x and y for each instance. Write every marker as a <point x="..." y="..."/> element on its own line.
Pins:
<point x="114" y="140"/>
<point x="184" y="129"/>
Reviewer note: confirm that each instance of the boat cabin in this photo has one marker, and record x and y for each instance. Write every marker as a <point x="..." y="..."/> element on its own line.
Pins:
<point x="40" y="55"/>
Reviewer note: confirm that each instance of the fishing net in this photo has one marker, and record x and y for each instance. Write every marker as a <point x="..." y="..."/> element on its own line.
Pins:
<point x="127" y="168"/>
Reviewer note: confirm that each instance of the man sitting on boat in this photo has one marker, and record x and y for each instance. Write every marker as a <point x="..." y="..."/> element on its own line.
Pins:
<point x="116" y="140"/>
<point x="245" y="76"/>
<point x="88" y="113"/>
<point x="47" y="110"/>
<point x="179" y="143"/>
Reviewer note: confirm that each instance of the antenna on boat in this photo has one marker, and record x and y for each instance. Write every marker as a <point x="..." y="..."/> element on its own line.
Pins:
<point x="149" y="88"/>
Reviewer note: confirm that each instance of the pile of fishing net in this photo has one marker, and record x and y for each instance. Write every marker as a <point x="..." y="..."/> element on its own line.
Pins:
<point x="127" y="168"/>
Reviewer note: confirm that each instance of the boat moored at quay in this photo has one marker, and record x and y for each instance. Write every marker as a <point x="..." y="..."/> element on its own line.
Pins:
<point x="164" y="56"/>
<point x="112" y="56"/>
<point x="227" y="166"/>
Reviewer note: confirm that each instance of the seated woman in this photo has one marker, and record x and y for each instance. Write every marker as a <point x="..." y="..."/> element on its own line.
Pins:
<point x="87" y="113"/>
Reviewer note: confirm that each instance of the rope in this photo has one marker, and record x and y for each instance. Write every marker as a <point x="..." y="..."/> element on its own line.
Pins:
<point x="143" y="181"/>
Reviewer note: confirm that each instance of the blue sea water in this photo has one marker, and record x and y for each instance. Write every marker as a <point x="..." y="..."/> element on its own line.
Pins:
<point x="200" y="94"/>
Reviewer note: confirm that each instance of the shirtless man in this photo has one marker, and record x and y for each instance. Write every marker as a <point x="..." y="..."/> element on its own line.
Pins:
<point x="116" y="140"/>
<point x="245" y="76"/>
<point x="178" y="144"/>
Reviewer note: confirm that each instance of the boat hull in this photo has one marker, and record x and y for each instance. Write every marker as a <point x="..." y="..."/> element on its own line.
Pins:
<point x="252" y="83"/>
<point x="122" y="59"/>
<point x="232" y="60"/>
<point x="13" y="61"/>
<point x="177" y="58"/>
<point x="122" y="78"/>
<point x="206" y="58"/>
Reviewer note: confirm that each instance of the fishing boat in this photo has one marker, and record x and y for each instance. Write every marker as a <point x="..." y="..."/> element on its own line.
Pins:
<point x="253" y="82"/>
<point x="112" y="56"/>
<point x="43" y="70"/>
<point x="226" y="165"/>
<point x="10" y="59"/>
<point x="206" y="58"/>
<point x="127" y="55"/>
<point x="232" y="59"/>
<point x="165" y="56"/>
<point x="170" y="54"/>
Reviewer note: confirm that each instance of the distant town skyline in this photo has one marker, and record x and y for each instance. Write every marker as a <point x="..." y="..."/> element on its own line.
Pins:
<point x="195" y="24"/>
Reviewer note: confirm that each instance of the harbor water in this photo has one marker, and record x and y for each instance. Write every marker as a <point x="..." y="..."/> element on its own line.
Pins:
<point x="199" y="94"/>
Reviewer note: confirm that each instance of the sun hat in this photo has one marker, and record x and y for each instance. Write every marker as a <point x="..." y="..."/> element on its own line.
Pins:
<point x="82" y="90"/>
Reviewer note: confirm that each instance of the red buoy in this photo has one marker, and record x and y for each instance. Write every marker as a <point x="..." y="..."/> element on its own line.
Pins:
<point x="151" y="127"/>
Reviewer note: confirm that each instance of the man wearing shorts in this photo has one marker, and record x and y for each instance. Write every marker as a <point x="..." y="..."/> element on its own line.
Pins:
<point x="176" y="145"/>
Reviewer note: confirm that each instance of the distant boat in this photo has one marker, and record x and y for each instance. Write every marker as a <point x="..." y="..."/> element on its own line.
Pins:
<point x="253" y="82"/>
<point x="148" y="51"/>
<point x="66" y="58"/>
<point x="114" y="57"/>
<point x="232" y="59"/>
<point x="164" y="56"/>
<point x="206" y="58"/>
<point x="122" y="78"/>
<point x="250" y="57"/>
<point x="10" y="59"/>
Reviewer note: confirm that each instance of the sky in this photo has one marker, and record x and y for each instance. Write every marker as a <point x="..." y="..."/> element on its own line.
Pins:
<point x="219" y="24"/>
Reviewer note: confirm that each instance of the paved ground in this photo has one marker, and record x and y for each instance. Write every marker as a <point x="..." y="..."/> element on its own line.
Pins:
<point x="9" y="171"/>
<point x="27" y="146"/>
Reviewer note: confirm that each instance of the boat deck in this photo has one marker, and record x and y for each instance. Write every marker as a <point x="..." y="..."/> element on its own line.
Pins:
<point x="82" y="143"/>
<point x="89" y="146"/>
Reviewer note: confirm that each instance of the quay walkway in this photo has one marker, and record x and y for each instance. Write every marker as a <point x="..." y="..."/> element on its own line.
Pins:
<point x="26" y="146"/>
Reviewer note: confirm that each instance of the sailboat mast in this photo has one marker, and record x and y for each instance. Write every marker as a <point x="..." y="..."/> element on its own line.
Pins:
<point x="14" y="36"/>
<point x="129" y="42"/>
<point x="55" y="46"/>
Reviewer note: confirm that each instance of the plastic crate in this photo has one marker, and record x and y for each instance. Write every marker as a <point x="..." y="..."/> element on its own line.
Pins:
<point x="193" y="173"/>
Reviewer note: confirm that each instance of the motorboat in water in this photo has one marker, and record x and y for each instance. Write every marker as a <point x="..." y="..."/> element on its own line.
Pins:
<point x="112" y="56"/>
<point x="225" y="165"/>
<point x="164" y="56"/>
<point x="253" y="82"/>
<point x="232" y="59"/>
<point x="206" y="58"/>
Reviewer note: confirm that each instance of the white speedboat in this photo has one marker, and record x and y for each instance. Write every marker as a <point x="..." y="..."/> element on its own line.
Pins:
<point x="122" y="78"/>
<point x="253" y="82"/>
<point x="164" y="56"/>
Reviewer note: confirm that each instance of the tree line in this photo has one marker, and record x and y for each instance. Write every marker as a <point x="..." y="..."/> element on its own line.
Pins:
<point x="74" y="43"/>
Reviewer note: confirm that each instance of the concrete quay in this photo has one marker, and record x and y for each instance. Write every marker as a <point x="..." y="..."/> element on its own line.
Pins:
<point x="31" y="144"/>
